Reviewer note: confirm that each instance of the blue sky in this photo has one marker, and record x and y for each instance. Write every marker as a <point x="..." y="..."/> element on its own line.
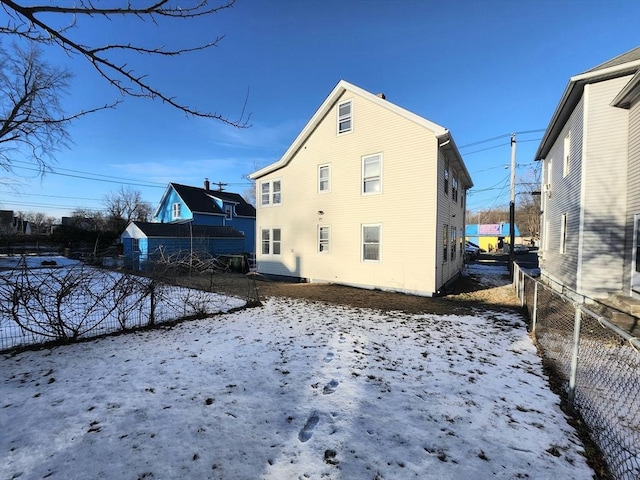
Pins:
<point x="482" y="69"/>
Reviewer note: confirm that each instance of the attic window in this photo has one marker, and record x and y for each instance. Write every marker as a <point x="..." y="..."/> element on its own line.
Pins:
<point x="228" y="212"/>
<point x="175" y="210"/>
<point x="344" y="117"/>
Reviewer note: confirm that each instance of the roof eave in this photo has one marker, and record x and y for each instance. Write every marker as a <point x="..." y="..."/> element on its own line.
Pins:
<point x="571" y="97"/>
<point x="324" y="108"/>
<point x="450" y="145"/>
<point x="629" y="94"/>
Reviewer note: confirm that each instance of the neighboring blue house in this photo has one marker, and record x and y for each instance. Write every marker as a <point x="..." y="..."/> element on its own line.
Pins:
<point x="488" y="235"/>
<point x="145" y="241"/>
<point x="203" y="206"/>
<point x="191" y="219"/>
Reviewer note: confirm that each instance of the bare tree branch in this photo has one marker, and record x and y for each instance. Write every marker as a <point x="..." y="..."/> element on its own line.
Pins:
<point x="30" y="111"/>
<point x="27" y="22"/>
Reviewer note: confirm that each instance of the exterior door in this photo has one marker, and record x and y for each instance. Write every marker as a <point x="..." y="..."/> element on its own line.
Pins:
<point x="635" y="264"/>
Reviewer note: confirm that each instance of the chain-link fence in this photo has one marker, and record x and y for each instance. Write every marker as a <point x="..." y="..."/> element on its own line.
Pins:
<point x="599" y="366"/>
<point x="66" y="303"/>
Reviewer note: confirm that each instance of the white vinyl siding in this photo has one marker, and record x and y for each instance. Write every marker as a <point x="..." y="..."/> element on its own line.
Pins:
<point x="633" y="193"/>
<point x="592" y="192"/>
<point x="372" y="174"/>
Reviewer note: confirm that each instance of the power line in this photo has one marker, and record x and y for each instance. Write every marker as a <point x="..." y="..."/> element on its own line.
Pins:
<point x="504" y="135"/>
<point x="105" y="178"/>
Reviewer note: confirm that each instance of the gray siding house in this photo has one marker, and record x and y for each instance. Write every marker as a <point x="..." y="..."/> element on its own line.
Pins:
<point x="590" y="156"/>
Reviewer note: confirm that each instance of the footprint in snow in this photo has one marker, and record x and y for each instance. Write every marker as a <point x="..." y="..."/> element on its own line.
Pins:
<point x="330" y="387"/>
<point x="328" y="357"/>
<point x="307" y="431"/>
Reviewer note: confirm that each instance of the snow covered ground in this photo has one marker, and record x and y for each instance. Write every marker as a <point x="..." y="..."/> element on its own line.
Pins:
<point x="291" y="390"/>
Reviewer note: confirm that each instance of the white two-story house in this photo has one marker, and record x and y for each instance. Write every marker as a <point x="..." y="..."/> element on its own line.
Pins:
<point x="368" y="195"/>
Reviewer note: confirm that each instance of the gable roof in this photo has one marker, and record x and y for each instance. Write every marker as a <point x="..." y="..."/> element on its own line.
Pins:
<point x="199" y="200"/>
<point x="441" y="133"/>
<point x="626" y="64"/>
<point x="186" y="230"/>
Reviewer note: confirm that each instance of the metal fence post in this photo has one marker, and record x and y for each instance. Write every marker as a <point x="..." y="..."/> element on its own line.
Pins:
<point x="152" y="303"/>
<point x="574" y="356"/>
<point x="534" y="313"/>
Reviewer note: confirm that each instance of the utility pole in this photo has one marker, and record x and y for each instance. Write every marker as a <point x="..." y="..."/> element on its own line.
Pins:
<point x="220" y="185"/>
<point x="512" y="206"/>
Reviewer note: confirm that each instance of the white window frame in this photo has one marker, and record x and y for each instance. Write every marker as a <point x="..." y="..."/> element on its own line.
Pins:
<point x="344" y="118"/>
<point x="228" y="212"/>
<point x="175" y="210"/>
<point x="563" y="233"/>
<point x="446" y="178"/>
<point x="566" y="155"/>
<point x="454" y="236"/>
<point x="372" y="178"/>
<point x="269" y="196"/>
<point x="445" y="243"/>
<point x="327" y="168"/>
<point x="269" y="241"/>
<point x="324" y="242"/>
<point x="363" y="243"/>
<point x="454" y="186"/>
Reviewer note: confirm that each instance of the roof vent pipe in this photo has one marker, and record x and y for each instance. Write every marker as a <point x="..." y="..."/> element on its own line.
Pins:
<point x="381" y="95"/>
<point x="206" y="184"/>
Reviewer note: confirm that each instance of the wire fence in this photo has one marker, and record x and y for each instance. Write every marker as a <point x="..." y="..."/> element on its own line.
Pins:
<point x="599" y="366"/>
<point x="62" y="304"/>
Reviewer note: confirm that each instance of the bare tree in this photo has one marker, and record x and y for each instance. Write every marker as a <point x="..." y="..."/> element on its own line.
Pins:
<point x="30" y="112"/>
<point x="38" y="24"/>
<point x="124" y="206"/>
<point x="40" y="222"/>
<point x="30" y="89"/>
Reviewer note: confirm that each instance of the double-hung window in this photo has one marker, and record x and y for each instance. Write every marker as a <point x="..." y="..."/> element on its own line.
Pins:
<point x="228" y="212"/>
<point x="563" y="233"/>
<point x="344" y="117"/>
<point x="324" y="178"/>
<point x="454" y="235"/>
<point x="567" y="155"/>
<point x="271" y="193"/>
<point x="372" y="174"/>
<point x="446" y="177"/>
<point x="175" y="211"/>
<point x="454" y="187"/>
<point x="445" y="242"/>
<point x="371" y="242"/>
<point x="271" y="239"/>
<point x="324" y="239"/>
